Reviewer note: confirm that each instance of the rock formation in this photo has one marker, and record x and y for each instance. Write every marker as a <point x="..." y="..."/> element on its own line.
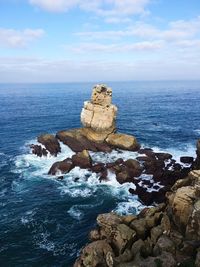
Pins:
<point x="98" y="133"/>
<point x="167" y="235"/>
<point x="98" y="115"/>
<point x="197" y="161"/>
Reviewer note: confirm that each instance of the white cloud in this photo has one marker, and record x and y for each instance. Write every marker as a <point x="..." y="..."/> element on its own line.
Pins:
<point x="115" y="48"/>
<point x="43" y="70"/>
<point x="55" y="5"/>
<point x="176" y="30"/>
<point x="19" y="39"/>
<point x="105" y="8"/>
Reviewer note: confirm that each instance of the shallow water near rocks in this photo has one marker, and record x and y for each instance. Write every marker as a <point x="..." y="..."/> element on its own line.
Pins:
<point x="45" y="222"/>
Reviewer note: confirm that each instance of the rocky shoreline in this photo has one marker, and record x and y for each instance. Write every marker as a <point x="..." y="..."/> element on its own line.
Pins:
<point x="167" y="234"/>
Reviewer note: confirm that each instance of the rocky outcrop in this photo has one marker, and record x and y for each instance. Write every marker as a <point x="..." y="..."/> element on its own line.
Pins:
<point x="166" y="235"/>
<point x="38" y="150"/>
<point x="197" y="161"/>
<point x="99" y="114"/>
<point x="77" y="141"/>
<point x="123" y="141"/>
<point x="82" y="159"/>
<point x="51" y="143"/>
<point x="98" y="133"/>
<point x="61" y="167"/>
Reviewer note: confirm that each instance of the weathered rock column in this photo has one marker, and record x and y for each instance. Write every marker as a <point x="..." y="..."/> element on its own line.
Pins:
<point x="99" y="114"/>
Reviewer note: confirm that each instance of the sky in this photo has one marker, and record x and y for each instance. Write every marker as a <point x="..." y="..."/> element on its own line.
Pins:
<point x="99" y="40"/>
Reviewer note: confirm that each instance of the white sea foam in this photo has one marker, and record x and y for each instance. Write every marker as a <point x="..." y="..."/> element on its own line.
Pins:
<point x="197" y="131"/>
<point x="44" y="243"/>
<point x="187" y="150"/>
<point x="112" y="156"/>
<point x="81" y="183"/>
<point x="28" y="217"/>
<point x="75" y="212"/>
<point x="39" y="166"/>
<point x="131" y="206"/>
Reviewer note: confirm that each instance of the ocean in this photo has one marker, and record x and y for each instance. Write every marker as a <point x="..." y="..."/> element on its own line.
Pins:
<point x="45" y="222"/>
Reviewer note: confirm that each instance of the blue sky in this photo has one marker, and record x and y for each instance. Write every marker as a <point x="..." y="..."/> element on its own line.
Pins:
<point x="99" y="40"/>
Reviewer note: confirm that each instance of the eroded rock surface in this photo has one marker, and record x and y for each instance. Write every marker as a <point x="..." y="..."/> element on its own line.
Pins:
<point x="166" y="235"/>
<point x="51" y="143"/>
<point x="99" y="114"/>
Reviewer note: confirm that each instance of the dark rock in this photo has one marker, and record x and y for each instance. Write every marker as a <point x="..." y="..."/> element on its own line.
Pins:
<point x="104" y="147"/>
<point x="38" y="150"/>
<point x="119" y="161"/>
<point x="71" y="142"/>
<point x="78" y="142"/>
<point x="64" y="166"/>
<point x="187" y="160"/>
<point x="163" y="156"/>
<point x="153" y="166"/>
<point x="132" y="164"/>
<point x="60" y="177"/>
<point x="82" y="160"/>
<point x="143" y="158"/>
<point x="110" y="165"/>
<point x="147" y="151"/>
<point x="51" y="143"/>
<point x="99" y="167"/>
<point x="103" y="176"/>
<point x="123" y="177"/>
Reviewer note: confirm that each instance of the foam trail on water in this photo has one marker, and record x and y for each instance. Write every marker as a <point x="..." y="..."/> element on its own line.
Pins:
<point x="80" y="184"/>
<point x="187" y="150"/>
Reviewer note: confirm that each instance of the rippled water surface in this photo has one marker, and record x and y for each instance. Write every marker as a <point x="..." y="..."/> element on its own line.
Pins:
<point x="45" y="222"/>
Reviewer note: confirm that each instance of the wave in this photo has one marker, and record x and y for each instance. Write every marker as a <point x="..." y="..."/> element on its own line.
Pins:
<point x="197" y="131"/>
<point x="82" y="184"/>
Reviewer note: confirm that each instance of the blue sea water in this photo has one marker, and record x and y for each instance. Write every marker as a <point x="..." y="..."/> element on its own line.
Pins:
<point x="45" y="222"/>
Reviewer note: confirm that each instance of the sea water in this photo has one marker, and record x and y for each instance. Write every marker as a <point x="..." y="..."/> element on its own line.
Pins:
<point x="44" y="221"/>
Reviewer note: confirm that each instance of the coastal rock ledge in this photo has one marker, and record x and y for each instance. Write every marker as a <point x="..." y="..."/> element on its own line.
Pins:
<point x="167" y="235"/>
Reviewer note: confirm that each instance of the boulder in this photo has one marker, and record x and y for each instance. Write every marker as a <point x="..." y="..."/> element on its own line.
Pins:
<point x="82" y="160"/>
<point x="147" y="151"/>
<point x="64" y="166"/>
<point x="38" y="150"/>
<point x="164" y="243"/>
<point x="98" y="253"/>
<point x="123" y="177"/>
<point x="123" y="141"/>
<point x="51" y="143"/>
<point x="123" y="238"/>
<point x="70" y="141"/>
<point x="163" y="156"/>
<point x="181" y="204"/>
<point x="193" y="226"/>
<point x="109" y="219"/>
<point x="77" y="140"/>
<point x="156" y="232"/>
<point x="187" y="160"/>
